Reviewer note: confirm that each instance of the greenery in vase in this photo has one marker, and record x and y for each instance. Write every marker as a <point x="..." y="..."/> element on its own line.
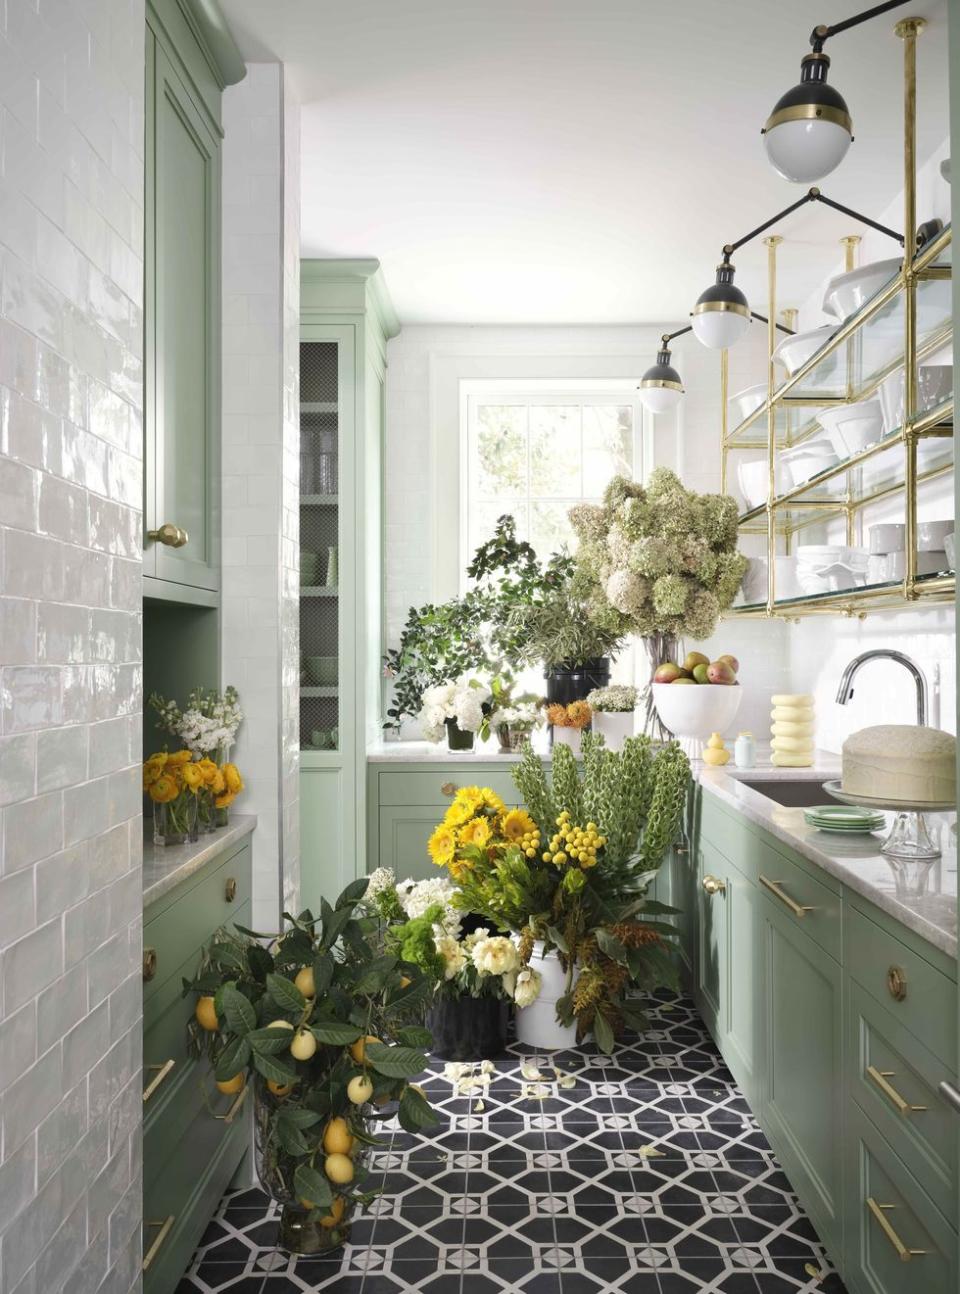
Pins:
<point x="566" y="624"/>
<point x="574" y="870"/>
<point x="660" y="558"/>
<point x="326" y="1023"/>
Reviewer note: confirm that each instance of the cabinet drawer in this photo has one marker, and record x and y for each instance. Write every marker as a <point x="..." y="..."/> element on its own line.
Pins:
<point x="919" y="996"/>
<point x="894" y="1079"/>
<point x="896" y="1239"/>
<point x="182" y="927"/>
<point x="815" y="909"/>
<point x="439" y="785"/>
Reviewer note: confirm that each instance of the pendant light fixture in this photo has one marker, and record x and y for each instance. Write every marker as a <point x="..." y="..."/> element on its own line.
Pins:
<point x="722" y="313"/>
<point x="810" y="129"/>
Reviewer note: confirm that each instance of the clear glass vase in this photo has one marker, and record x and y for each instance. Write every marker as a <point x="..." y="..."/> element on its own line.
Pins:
<point x="175" y="823"/>
<point x="659" y="648"/>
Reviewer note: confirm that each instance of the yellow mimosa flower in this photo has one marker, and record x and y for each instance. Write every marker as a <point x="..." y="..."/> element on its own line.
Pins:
<point x="442" y="845"/>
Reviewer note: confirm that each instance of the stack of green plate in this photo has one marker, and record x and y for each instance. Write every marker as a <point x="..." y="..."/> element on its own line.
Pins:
<point x="847" y="818"/>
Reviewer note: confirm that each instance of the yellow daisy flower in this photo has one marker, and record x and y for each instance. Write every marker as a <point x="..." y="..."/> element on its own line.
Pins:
<point x="492" y="801"/>
<point x="460" y="811"/>
<point x="442" y="845"/>
<point x="477" y="832"/>
<point x="516" y="824"/>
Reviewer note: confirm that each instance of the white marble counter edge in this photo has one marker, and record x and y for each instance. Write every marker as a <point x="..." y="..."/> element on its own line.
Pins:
<point x="167" y="866"/>
<point x="757" y="808"/>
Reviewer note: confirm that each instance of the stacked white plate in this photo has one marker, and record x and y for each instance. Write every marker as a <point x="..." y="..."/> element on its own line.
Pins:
<point x="846" y="819"/>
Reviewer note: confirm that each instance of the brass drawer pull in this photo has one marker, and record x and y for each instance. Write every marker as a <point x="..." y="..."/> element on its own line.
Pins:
<point x="714" y="885"/>
<point x="234" y="1110"/>
<point x="878" y="1211"/>
<point x="149" y="964"/>
<point x="163" y="1072"/>
<point x="230" y="889"/>
<point x="166" y="1227"/>
<point x="880" y="1076"/>
<point x="798" y="909"/>
<point x="897" y="983"/>
<point x="170" y="535"/>
<point x="448" y="788"/>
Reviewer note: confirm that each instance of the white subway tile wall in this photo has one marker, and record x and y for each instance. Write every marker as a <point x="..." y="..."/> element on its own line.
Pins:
<point x="71" y="233"/>
<point x="261" y="480"/>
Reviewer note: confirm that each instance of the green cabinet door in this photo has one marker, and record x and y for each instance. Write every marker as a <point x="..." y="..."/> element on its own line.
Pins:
<point x="182" y="350"/>
<point x="802" y="1063"/>
<point x="712" y="938"/>
<point x="404" y="832"/>
<point x="742" y="1019"/>
<point x="323" y="870"/>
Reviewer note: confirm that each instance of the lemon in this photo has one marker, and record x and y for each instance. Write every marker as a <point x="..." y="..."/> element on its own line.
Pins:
<point x="336" y="1137"/>
<point x="279" y="1090"/>
<point x="206" y="1014"/>
<point x="332" y="1218"/>
<point x="279" y="1024"/>
<point x="231" y="1085"/>
<point x="359" y="1089"/>
<point x="358" y="1048"/>
<point x="305" y="982"/>
<point x="405" y="981"/>
<point x="304" y="1045"/>
<point x="338" y="1168"/>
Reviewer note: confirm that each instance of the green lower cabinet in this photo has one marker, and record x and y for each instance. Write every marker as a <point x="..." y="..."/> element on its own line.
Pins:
<point x="712" y="938"/>
<point x="801" y="1090"/>
<point x="403" y="835"/>
<point x="322" y="862"/>
<point x="676" y="884"/>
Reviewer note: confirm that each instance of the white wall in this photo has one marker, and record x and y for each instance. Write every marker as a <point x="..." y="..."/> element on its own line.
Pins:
<point x="261" y="293"/>
<point x="71" y="328"/>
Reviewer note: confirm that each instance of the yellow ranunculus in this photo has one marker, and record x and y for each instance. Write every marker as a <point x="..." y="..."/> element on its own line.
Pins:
<point x="192" y="776"/>
<point x="209" y="770"/>
<point x="164" y="789"/>
<point x="218" y="785"/>
<point x="231" y="775"/>
<point x="224" y="801"/>
<point x="476" y="832"/>
<point x="442" y="845"/>
<point x="151" y="771"/>
<point x="180" y="757"/>
<point x="516" y="824"/>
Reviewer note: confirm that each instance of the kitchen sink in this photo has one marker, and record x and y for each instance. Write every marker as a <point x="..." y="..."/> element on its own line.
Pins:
<point x="798" y="794"/>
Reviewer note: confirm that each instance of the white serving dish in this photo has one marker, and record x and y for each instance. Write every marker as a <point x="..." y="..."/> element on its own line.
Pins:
<point x="847" y="292"/>
<point x="746" y="402"/>
<point x="934" y="385"/>
<point x="793" y="352"/>
<point x="949" y="550"/>
<point x="852" y="427"/>
<point x="834" y="578"/>
<point x="931" y="535"/>
<point x="693" y="711"/>
<point x="808" y="459"/>
<point x="753" y="479"/>
<point x="889" y="537"/>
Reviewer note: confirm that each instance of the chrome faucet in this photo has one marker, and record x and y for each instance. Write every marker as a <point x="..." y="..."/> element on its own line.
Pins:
<point x="845" y="690"/>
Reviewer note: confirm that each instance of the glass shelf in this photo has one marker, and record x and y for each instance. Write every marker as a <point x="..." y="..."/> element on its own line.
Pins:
<point x="937" y="588"/>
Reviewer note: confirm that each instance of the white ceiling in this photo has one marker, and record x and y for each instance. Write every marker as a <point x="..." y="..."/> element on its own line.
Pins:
<point x="520" y="161"/>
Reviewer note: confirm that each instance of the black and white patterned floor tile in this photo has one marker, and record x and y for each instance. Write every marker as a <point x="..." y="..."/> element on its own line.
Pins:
<point x="648" y="1176"/>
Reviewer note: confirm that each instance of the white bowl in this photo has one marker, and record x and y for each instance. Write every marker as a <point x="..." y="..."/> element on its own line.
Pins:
<point x="893" y="566"/>
<point x="887" y="538"/>
<point x="934" y="385"/>
<point x="846" y="293"/>
<point x="793" y="352"/>
<point x="746" y="402"/>
<point x="931" y="535"/>
<point x="786" y="584"/>
<point x="753" y="479"/>
<point x="693" y="711"/>
<point x="807" y="460"/>
<point x="852" y="427"/>
<point x="823" y="555"/>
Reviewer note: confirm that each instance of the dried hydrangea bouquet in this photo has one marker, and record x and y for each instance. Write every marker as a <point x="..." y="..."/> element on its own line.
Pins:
<point x="663" y="557"/>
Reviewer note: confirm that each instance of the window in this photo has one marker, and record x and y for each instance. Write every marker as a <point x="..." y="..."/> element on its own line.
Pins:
<point x="536" y="453"/>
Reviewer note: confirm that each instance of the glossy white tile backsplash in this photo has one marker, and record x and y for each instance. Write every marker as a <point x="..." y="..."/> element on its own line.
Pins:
<point x="71" y="269"/>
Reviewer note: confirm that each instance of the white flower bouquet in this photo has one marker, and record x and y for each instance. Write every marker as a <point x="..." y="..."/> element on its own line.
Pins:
<point x="207" y="726"/>
<point x="461" y="700"/>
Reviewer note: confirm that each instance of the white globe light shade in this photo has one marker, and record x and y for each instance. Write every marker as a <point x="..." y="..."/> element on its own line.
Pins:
<point x="719" y="329"/>
<point x="660" y="399"/>
<point x="806" y="151"/>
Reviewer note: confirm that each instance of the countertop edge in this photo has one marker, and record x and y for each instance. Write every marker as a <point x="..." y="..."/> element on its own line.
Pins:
<point x="166" y="867"/>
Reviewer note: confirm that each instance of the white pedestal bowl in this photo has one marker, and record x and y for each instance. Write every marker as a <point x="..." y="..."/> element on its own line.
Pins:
<point x="693" y="711"/>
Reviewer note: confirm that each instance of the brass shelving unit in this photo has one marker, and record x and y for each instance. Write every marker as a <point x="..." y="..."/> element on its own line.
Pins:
<point x="906" y="321"/>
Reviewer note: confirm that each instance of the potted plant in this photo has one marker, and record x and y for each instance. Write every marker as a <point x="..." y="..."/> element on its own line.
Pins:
<point x="573" y="887"/>
<point x="174" y="784"/>
<point x="662" y="560"/>
<point x="568" y="722"/>
<point x="456" y="709"/>
<point x="512" y="718"/>
<point x="613" y="709"/>
<point x="325" y="1026"/>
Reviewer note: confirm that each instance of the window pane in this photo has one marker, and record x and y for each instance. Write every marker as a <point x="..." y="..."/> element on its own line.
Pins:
<point x="554" y="451"/>
<point x="484" y="514"/>
<point x="607" y="445"/>
<point x="499" y="455"/>
<point x="550" y="528"/>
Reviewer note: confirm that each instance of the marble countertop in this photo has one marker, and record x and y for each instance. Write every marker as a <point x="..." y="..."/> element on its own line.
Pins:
<point x="921" y="895"/>
<point x="166" y="866"/>
<point x="425" y="752"/>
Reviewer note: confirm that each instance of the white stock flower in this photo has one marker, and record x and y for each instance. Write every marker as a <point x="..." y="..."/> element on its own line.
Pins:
<point x="378" y="881"/>
<point x="495" y="955"/>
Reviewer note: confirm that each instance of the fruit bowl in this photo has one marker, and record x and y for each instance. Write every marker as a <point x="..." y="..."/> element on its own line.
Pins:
<point x="693" y="711"/>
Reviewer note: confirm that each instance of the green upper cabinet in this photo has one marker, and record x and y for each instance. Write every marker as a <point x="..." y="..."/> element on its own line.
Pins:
<point x="188" y="59"/>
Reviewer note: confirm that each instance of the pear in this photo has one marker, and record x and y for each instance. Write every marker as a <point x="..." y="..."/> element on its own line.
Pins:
<point x="693" y="659"/>
<point x="720" y="672"/>
<point x="668" y="672"/>
<point x="700" y="673"/>
<point x="731" y="661"/>
<point x="689" y="681"/>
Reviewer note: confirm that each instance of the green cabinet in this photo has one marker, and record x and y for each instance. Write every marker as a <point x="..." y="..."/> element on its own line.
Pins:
<point x="194" y="1138"/>
<point x="321" y="836"/>
<point x="184" y="80"/>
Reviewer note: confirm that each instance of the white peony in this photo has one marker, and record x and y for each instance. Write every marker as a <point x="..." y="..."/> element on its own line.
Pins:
<point x="526" y="988"/>
<point x="495" y="955"/>
<point x="453" y="956"/>
<point x="417" y="896"/>
<point x="474" y="937"/>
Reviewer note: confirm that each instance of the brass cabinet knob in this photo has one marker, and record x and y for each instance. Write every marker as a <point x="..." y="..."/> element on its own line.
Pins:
<point x="149" y="963"/>
<point x="897" y="983"/>
<point x="170" y="535"/>
<point x="448" y="788"/>
<point x="714" y="885"/>
<point x="230" y="889"/>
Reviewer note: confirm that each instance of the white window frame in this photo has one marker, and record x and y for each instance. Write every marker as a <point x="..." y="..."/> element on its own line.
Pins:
<point x="544" y="391"/>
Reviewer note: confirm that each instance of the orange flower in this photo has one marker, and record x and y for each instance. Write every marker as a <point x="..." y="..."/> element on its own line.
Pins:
<point x="557" y="715"/>
<point x="231" y="775"/>
<point x="164" y="789"/>
<point x="179" y="758"/>
<point x="579" y="714"/>
<point x="224" y="801"/>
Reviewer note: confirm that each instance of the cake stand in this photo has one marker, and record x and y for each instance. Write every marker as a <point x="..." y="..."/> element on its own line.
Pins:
<point x="909" y="837"/>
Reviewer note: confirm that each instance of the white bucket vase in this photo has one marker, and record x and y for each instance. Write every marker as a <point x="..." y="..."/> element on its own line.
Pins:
<point x="567" y="737"/>
<point x="537" y="1026"/>
<point x="615" y="726"/>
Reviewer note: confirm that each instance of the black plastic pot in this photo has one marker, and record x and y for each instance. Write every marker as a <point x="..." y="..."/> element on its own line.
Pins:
<point x="566" y="683"/>
<point x="457" y="739"/>
<point x="468" y="1028"/>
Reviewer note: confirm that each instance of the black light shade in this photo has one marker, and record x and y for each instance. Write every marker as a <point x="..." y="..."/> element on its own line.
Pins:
<point x="661" y="387"/>
<point x="722" y="313"/>
<point x="809" y="131"/>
